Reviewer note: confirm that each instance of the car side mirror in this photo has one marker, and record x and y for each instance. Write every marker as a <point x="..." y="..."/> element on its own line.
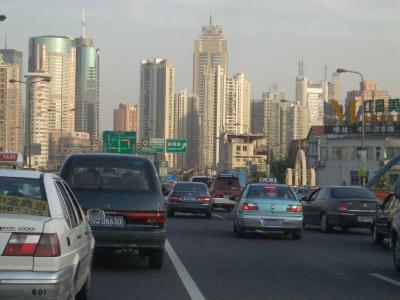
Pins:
<point x="96" y="214"/>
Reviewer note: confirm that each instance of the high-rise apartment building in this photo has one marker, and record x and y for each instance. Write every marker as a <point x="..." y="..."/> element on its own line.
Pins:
<point x="193" y="133"/>
<point x="334" y="87"/>
<point x="210" y="64"/>
<point x="87" y="88"/>
<point x="37" y="120"/>
<point x="13" y="57"/>
<point x="181" y="125"/>
<point x="257" y="116"/>
<point x="157" y="86"/>
<point x="236" y="109"/>
<point x="11" y="123"/>
<point x="126" y="118"/>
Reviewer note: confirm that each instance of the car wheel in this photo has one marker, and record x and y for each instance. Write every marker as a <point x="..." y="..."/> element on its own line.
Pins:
<point x="376" y="236"/>
<point x="84" y="292"/>
<point x="239" y="232"/>
<point x="156" y="259"/>
<point x="170" y="213"/>
<point x="296" y="234"/>
<point x="396" y="252"/>
<point x="325" y="226"/>
<point x="208" y="214"/>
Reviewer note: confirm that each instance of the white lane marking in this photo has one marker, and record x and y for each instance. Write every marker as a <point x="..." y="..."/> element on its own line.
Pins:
<point x="384" y="278"/>
<point x="218" y="216"/>
<point x="183" y="274"/>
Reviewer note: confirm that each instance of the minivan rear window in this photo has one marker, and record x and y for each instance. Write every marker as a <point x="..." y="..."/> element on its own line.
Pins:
<point x="22" y="196"/>
<point x="125" y="175"/>
<point x="352" y="193"/>
<point x="227" y="183"/>
<point x="190" y="187"/>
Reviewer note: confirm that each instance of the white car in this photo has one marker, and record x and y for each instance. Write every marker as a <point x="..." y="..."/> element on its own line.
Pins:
<point x="46" y="244"/>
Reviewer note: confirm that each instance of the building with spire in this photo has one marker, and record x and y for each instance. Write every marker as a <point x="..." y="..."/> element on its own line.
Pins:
<point x="87" y="81"/>
<point x="210" y="66"/>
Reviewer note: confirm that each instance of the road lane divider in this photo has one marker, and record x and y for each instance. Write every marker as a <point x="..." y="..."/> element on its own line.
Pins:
<point x="191" y="287"/>
<point x="218" y="216"/>
<point x="384" y="278"/>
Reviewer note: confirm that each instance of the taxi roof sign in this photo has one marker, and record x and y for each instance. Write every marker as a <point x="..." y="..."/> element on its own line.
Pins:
<point x="268" y="180"/>
<point x="11" y="159"/>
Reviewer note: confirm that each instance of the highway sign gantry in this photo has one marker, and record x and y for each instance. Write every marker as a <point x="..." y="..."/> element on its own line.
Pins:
<point x="176" y="146"/>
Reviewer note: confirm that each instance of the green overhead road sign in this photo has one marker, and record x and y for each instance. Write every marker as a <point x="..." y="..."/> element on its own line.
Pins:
<point x="119" y="142"/>
<point x="157" y="145"/>
<point x="176" y="146"/>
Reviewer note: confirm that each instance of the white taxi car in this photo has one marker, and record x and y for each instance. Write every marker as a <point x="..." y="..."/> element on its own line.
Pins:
<point x="46" y="244"/>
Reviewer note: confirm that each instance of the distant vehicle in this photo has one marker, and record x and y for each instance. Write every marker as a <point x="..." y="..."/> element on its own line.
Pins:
<point x="268" y="207"/>
<point x="304" y="191"/>
<point x="225" y="185"/>
<point x="46" y="244"/>
<point x="395" y="231"/>
<point x="189" y="197"/>
<point x="242" y="174"/>
<point x="204" y="179"/>
<point x="340" y="206"/>
<point x="383" y="218"/>
<point x="126" y="187"/>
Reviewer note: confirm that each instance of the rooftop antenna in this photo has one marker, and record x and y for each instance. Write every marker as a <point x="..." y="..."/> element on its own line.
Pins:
<point x="5" y="41"/>
<point x="301" y="68"/>
<point x="210" y="19"/>
<point x="83" y="23"/>
<point x="325" y="73"/>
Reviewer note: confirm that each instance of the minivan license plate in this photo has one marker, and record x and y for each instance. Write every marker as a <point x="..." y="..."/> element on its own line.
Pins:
<point x="109" y="221"/>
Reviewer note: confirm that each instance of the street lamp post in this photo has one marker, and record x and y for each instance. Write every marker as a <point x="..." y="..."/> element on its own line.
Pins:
<point x="45" y="79"/>
<point x="362" y="114"/>
<point x="2" y="18"/>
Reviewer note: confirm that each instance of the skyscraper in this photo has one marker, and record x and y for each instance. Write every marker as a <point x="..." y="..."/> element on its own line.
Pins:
<point x="181" y="124"/>
<point x="210" y="64"/>
<point x="11" y="123"/>
<point x="157" y="86"/>
<point x="13" y="57"/>
<point x="126" y="118"/>
<point x="87" y="87"/>
<point x="193" y="135"/>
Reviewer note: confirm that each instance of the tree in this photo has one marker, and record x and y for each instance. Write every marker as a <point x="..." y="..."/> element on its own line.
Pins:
<point x="279" y="166"/>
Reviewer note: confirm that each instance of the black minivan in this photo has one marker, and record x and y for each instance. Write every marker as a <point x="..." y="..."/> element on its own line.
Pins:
<point x="127" y="188"/>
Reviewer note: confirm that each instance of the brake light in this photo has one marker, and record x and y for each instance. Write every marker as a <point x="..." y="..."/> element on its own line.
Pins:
<point x="294" y="208"/>
<point x="49" y="246"/>
<point x="249" y="206"/>
<point x="39" y="245"/>
<point x="203" y="198"/>
<point x="343" y="206"/>
<point x="175" y="197"/>
<point x="144" y="217"/>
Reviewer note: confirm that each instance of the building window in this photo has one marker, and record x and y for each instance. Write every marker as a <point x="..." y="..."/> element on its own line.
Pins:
<point x="340" y="153"/>
<point x="377" y="153"/>
<point x="238" y="148"/>
<point x="244" y="148"/>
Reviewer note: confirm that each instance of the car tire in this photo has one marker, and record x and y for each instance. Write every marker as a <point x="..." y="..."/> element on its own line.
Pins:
<point x="376" y="236"/>
<point x="396" y="252"/>
<point x="238" y="231"/>
<point x="296" y="234"/>
<point x="156" y="259"/>
<point x="84" y="292"/>
<point x="170" y="213"/>
<point x="325" y="226"/>
<point x="208" y="214"/>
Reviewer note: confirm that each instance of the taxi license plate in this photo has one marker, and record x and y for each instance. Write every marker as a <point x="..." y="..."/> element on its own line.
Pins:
<point x="364" y="219"/>
<point x="273" y="222"/>
<point x="110" y="221"/>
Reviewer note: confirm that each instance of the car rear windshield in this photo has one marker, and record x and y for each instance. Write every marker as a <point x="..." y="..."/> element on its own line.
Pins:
<point x="200" y="179"/>
<point x="227" y="183"/>
<point x="190" y="187"/>
<point x="352" y="193"/>
<point x="22" y="196"/>
<point x="117" y="175"/>
<point x="271" y="192"/>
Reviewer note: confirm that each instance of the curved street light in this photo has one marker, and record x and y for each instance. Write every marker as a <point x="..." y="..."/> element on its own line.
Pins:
<point x="2" y="18"/>
<point x="45" y="79"/>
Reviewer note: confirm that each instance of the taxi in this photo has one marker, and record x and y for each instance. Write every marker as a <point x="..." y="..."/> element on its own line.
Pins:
<point x="268" y="207"/>
<point x="46" y="244"/>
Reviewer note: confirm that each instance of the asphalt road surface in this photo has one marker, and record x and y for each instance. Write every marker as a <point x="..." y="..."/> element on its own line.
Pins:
<point x="204" y="260"/>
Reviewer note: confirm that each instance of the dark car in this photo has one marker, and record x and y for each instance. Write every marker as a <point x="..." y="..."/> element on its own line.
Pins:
<point x="204" y="179"/>
<point x="304" y="192"/>
<point x="383" y="218"/>
<point x="190" y="197"/>
<point x="126" y="187"/>
<point x="339" y="206"/>
<point x="395" y="230"/>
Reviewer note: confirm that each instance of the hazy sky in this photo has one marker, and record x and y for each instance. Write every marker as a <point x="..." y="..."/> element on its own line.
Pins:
<point x="266" y="39"/>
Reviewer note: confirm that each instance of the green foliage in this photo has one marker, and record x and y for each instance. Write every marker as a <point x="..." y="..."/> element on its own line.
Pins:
<point x="279" y="166"/>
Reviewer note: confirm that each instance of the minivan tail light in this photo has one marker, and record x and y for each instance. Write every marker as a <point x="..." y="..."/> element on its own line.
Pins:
<point x="294" y="208"/>
<point x="157" y="218"/>
<point x="249" y="206"/>
<point x="49" y="246"/>
<point x="343" y="206"/>
<point x="21" y="244"/>
<point x="175" y="197"/>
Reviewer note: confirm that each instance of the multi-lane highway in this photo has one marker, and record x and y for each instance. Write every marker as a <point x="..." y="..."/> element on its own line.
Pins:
<point x="205" y="260"/>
